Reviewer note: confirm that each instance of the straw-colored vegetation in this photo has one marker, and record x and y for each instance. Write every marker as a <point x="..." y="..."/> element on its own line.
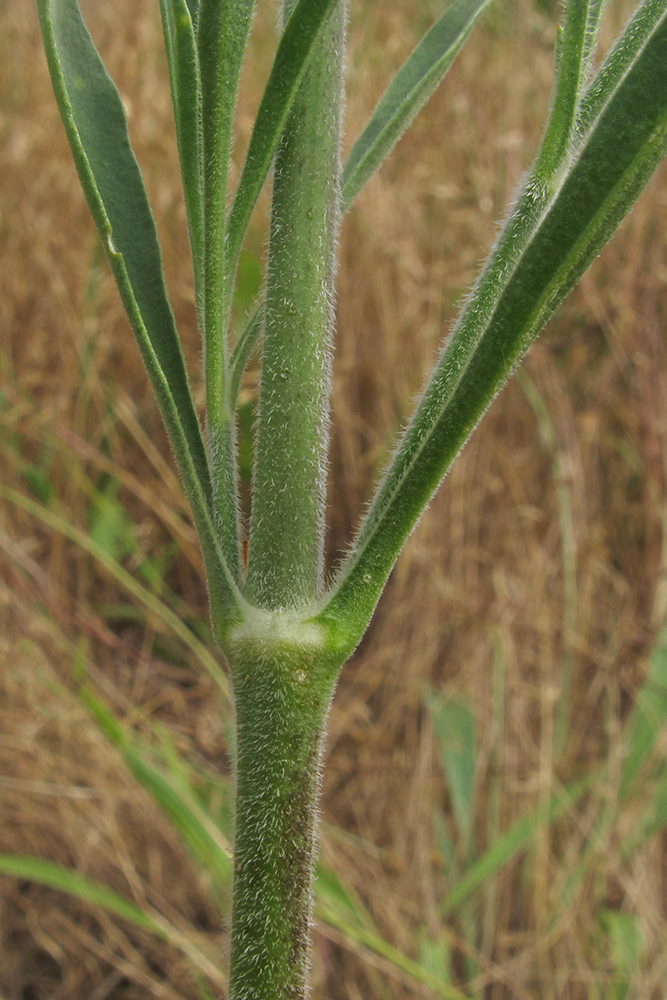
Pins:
<point x="526" y="611"/>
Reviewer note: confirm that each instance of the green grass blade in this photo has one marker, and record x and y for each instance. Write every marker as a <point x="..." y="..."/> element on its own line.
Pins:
<point x="408" y="92"/>
<point x="196" y="828"/>
<point x="549" y="240"/>
<point x="648" y="716"/>
<point x="454" y="728"/>
<point x="512" y="842"/>
<point x="183" y="62"/>
<point x="373" y="942"/>
<point x="63" y="879"/>
<point x="332" y="895"/>
<point x="652" y="820"/>
<point x="127" y="581"/>
<point x="290" y="61"/>
<point x="96" y="127"/>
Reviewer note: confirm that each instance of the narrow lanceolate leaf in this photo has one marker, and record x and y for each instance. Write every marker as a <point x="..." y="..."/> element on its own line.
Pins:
<point x="93" y="115"/>
<point x="575" y="50"/>
<point x="550" y="238"/>
<point x="290" y="61"/>
<point x="408" y="92"/>
<point x="183" y="62"/>
<point x="96" y="128"/>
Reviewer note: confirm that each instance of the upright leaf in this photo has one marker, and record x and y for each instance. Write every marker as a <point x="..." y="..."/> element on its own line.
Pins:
<point x="412" y="86"/>
<point x="193" y="7"/>
<point x="183" y="63"/>
<point x="96" y="128"/>
<point x="574" y="53"/>
<point x="550" y="238"/>
<point x="94" y="119"/>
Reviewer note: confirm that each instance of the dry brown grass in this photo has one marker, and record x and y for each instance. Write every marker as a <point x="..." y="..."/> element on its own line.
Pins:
<point x="542" y="557"/>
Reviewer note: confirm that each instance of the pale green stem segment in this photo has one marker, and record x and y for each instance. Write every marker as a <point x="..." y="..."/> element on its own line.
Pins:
<point x="303" y="25"/>
<point x="289" y="487"/>
<point x="222" y="34"/>
<point x="551" y="236"/>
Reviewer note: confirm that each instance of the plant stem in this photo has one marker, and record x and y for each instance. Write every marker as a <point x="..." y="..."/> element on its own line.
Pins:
<point x="289" y="491"/>
<point x="282" y="696"/>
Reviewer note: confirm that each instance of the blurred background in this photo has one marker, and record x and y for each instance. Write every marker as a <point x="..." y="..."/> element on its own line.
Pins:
<point x="495" y="793"/>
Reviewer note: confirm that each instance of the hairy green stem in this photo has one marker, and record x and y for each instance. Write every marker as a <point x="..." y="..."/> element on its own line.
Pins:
<point x="286" y="539"/>
<point x="282" y="685"/>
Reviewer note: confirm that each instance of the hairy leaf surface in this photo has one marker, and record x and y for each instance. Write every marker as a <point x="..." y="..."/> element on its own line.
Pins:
<point x="551" y="236"/>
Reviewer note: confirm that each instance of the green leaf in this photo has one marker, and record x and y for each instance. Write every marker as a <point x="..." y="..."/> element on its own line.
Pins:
<point x="412" y="86"/>
<point x="332" y="894"/>
<point x="94" y="119"/>
<point x="290" y="61"/>
<point x="183" y="62"/>
<point x="651" y="820"/>
<point x="550" y="238"/>
<point x="454" y="727"/>
<point x="109" y="524"/>
<point x="243" y="349"/>
<point x="435" y="955"/>
<point x="574" y="54"/>
<point x="193" y="7"/>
